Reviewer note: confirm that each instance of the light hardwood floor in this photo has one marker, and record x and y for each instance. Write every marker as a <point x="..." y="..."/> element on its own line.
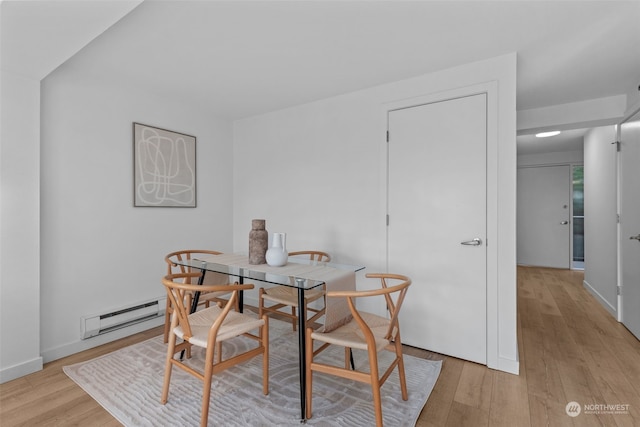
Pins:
<point x="570" y="349"/>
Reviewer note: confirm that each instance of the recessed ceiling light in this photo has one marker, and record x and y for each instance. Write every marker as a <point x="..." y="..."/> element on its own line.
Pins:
<point x="547" y="134"/>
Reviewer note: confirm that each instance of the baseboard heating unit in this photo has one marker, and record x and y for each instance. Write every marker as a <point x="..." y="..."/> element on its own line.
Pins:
<point x="98" y="324"/>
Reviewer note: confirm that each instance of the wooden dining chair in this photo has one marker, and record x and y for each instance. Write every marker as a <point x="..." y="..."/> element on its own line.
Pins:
<point x="211" y="278"/>
<point x="208" y="328"/>
<point x="274" y="299"/>
<point x="365" y="331"/>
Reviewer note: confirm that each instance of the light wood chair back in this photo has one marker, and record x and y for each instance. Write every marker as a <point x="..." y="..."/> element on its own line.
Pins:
<point x="188" y="255"/>
<point x="313" y="255"/>
<point x="210" y="278"/>
<point x="223" y="323"/>
<point x="367" y="332"/>
<point x="273" y="300"/>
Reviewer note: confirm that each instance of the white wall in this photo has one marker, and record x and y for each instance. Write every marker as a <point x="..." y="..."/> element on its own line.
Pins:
<point x="633" y="98"/>
<point x="98" y="251"/>
<point x="552" y="158"/>
<point x="575" y="115"/>
<point x="30" y="51"/>
<point x="318" y="173"/>
<point x="19" y="226"/>
<point x="600" y="212"/>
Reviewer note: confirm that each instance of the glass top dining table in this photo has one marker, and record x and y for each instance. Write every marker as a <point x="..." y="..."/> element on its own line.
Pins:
<point x="302" y="274"/>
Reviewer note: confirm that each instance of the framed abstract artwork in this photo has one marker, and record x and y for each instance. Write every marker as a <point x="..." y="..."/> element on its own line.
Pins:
<point x="164" y="168"/>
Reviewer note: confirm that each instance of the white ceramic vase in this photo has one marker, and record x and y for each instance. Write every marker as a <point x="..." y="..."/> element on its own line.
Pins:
<point x="277" y="254"/>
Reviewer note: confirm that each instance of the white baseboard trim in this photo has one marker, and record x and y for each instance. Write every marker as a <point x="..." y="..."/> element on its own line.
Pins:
<point x="608" y="306"/>
<point x="81" y="345"/>
<point x="20" y="370"/>
<point x="509" y="366"/>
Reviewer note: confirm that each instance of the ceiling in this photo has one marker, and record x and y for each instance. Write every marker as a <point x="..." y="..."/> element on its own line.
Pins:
<point x="38" y="36"/>
<point x="242" y="58"/>
<point x="568" y="140"/>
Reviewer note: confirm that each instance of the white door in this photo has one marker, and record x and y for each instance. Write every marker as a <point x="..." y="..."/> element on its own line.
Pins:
<point x="544" y="216"/>
<point x="437" y="200"/>
<point x="630" y="223"/>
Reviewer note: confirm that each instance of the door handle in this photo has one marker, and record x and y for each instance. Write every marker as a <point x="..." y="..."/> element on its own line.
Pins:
<point x="635" y="237"/>
<point x="475" y="242"/>
<point x="564" y="222"/>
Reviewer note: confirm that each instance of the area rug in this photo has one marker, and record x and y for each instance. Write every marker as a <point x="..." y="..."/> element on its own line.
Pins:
<point x="128" y="384"/>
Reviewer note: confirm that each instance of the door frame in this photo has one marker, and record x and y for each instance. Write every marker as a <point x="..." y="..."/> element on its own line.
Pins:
<point x="630" y="113"/>
<point x="494" y="358"/>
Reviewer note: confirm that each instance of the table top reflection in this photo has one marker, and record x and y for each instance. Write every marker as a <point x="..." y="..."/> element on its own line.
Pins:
<point x="297" y="273"/>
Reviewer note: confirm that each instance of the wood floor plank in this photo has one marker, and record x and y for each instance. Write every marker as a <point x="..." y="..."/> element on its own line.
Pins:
<point x="509" y="402"/>
<point x="64" y="413"/>
<point x="547" y="412"/>
<point x="547" y="397"/>
<point x="464" y="415"/>
<point x="47" y="405"/>
<point x="627" y="357"/>
<point x="543" y="378"/>
<point x="615" y="389"/>
<point x="475" y="386"/>
<point x="36" y="394"/>
<point x="436" y="412"/>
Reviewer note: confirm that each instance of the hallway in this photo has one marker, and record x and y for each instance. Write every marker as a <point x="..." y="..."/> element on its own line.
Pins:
<point x="571" y="350"/>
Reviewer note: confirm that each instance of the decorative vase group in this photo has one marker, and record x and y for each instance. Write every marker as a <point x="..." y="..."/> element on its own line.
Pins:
<point x="277" y="254"/>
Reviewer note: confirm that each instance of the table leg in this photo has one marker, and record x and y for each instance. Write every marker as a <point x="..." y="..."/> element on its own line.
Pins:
<point x="241" y="296"/>
<point x="196" y="296"/>
<point x="302" y="321"/>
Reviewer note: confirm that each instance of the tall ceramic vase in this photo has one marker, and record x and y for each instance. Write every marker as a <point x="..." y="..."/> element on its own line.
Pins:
<point x="277" y="254"/>
<point x="258" y="242"/>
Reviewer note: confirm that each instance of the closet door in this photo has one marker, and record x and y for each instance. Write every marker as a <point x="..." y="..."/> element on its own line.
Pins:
<point x="630" y="223"/>
<point x="437" y="195"/>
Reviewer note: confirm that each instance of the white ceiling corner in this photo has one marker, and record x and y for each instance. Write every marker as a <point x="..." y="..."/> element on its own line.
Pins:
<point x="38" y="36"/>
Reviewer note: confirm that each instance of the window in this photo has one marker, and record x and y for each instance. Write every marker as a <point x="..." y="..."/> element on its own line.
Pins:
<point x="578" y="217"/>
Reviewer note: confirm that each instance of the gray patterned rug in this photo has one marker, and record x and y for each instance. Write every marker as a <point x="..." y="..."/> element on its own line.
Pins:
<point x="128" y="383"/>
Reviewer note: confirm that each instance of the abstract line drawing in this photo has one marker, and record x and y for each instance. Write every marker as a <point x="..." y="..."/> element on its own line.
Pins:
<point x="164" y="167"/>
